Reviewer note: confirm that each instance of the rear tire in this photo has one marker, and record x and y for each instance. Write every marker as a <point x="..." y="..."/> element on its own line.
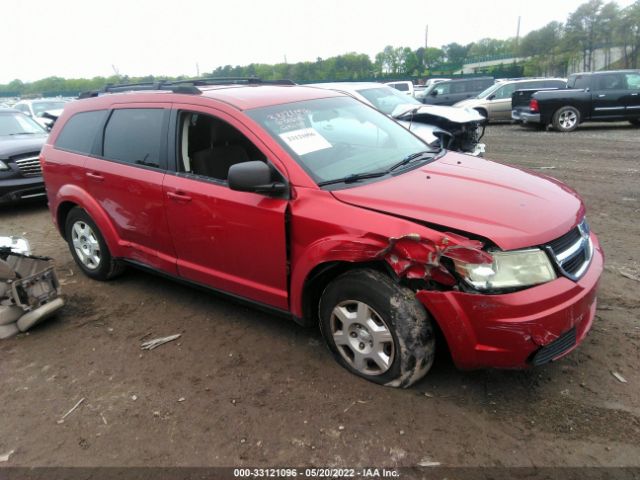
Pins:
<point x="88" y="247"/>
<point x="377" y="329"/>
<point x="566" y="119"/>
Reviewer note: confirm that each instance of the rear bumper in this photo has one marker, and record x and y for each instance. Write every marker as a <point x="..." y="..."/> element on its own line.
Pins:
<point x="16" y="189"/>
<point x="525" y="117"/>
<point x="520" y="329"/>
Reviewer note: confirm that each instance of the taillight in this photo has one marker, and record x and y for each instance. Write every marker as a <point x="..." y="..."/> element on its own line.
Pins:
<point x="533" y="106"/>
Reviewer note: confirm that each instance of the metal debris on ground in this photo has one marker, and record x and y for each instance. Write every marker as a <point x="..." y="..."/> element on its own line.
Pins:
<point x="29" y="287"/>
<point x="5" y="456"/>
<point x="71" y="411"/>
<point x="353" y="403"/>
<point x="156" y="342"/>
<point x="425" y="462"/>
<point x="619" y="377"/>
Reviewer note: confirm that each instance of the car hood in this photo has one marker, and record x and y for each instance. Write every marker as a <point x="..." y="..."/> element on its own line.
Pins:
<point x="511" y="207"/>
<point x="471" y="103"/>
<point x="18" y="144"/>
<point x="456" y="115"/>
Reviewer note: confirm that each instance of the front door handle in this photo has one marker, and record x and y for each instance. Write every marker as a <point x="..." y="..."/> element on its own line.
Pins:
<point x="601" y="95"/>
<point x="95" y="176"/>
<point x="179" y="196"/>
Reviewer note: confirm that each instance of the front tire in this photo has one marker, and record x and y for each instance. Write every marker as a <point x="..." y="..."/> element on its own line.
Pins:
<point x="566" y="119"/>
<point x="377" y="329"/>
<point x="88" y="247"/>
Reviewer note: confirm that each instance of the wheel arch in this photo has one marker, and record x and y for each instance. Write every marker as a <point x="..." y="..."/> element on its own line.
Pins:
<point x="71" y="196"/>
<point x="322" y="275"/>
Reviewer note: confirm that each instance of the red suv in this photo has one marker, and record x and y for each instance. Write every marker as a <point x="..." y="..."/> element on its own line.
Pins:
<point x="322" y="209"/>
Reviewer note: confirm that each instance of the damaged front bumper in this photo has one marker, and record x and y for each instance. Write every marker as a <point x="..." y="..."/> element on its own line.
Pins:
<point x="519" y="329"/>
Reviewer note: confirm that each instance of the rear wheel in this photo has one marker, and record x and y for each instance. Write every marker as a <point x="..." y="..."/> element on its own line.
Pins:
<point x="377" y="329"/>
<point x="566" y="119"/>
<point x="88" y="247"/>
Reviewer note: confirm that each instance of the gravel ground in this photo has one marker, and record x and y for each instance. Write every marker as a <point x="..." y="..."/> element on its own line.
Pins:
<point x="241" y="387"/>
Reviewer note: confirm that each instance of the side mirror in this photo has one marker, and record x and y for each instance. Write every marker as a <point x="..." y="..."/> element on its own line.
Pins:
<point x="434" y="93"/>
<point x="491" y="97"/>
<point x="254" y="176"/>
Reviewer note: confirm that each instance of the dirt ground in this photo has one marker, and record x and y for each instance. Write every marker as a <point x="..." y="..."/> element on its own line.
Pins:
<point x="243" y="388"/>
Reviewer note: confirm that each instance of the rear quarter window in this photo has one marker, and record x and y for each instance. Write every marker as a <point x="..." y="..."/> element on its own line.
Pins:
<point x="134" y="135"/>
<point x="80" y="131"/>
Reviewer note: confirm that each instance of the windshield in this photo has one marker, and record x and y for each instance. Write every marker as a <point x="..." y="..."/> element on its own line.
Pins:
<point x="489" y="91"/>
<point x="332" y="138"/>
<point x="17" y="124"/>
<point x="40" y="107"/>
<point x="386" y="99"/>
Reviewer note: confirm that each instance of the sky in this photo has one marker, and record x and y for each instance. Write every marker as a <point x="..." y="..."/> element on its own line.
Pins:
<point x="87" y="38"/>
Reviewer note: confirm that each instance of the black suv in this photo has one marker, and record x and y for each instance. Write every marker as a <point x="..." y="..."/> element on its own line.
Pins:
<point x="20" y="142"/>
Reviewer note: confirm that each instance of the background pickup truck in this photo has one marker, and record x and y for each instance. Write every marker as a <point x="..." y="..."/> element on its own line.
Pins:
<point x="598" y="96"/>
<point x="520" y="100"/>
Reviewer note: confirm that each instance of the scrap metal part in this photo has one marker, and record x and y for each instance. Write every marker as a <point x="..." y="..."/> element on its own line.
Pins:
<point x="29" y="287"/>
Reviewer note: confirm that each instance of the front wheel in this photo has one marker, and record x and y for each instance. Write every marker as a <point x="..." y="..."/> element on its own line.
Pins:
<point x="377" y="329"/>
<point x="566" y="119"/>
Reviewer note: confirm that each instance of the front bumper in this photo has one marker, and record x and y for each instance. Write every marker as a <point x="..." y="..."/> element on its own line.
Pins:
<point x="16" y="189"/>
<point x="510" y="330"/>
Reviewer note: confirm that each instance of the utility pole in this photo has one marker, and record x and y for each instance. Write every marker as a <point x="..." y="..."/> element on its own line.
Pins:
<point x="197" y="70"/>
<point x="426" y="37"/>
<point x="517" y="36"/>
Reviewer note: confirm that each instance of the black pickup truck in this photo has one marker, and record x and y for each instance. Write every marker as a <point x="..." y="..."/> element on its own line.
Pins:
<point x="597" y="96"/>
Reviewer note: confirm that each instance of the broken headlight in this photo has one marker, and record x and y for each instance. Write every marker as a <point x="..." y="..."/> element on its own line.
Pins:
<point x="512" y="269"/>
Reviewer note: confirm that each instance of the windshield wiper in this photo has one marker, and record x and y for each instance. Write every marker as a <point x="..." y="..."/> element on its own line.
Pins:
<point x="410" y="158"/>
<point x="354" y="177"/>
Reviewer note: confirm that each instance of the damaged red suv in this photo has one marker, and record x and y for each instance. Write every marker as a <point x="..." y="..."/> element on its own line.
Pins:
<point x="320" y="208"/>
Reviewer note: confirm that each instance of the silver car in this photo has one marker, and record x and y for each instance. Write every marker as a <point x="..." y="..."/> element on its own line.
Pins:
<point x="495" y="102"/>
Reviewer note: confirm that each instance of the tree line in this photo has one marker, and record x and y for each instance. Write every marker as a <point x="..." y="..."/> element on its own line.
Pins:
<point x="547" y="51"/>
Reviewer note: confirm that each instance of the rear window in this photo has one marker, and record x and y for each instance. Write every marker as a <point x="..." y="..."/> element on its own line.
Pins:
<point x="579" y="81"/>
<point x="134" y="135"/>
<point x="80" y="131"/>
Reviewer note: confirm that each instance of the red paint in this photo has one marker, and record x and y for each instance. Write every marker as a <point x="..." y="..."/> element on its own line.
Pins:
<point x="264" y="249"/>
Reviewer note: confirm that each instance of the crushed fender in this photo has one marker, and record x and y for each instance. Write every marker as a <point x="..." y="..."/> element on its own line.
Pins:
<point x="414" y="257"/>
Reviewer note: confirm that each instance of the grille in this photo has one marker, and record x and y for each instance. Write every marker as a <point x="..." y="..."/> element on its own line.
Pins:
<point x="29" y="165"/>
<point x="560" y="345"/>
<point x="572" y="252"/>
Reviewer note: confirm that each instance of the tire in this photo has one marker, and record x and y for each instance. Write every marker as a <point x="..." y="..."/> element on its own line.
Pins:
<point x="635" y="122"/>
<point x="88" y="247"/>
<point x="566" y="119"/>
<point x="386" y="323"/>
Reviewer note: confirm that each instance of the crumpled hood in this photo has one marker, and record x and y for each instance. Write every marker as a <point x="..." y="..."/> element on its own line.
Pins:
<point x="452" y="114"/>
<point x="511" y="207"/>
<point x="18" y="144"/>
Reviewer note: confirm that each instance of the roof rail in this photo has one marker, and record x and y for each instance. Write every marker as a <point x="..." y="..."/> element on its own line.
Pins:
<point x="188" y="86"/>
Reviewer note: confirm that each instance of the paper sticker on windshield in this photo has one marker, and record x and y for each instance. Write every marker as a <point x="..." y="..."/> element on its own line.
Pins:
<point x="305" y="140"/>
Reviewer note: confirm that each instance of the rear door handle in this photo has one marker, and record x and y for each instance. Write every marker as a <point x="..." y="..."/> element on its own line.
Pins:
<point x="95" y="176"/>
<point x="179" y="196"/>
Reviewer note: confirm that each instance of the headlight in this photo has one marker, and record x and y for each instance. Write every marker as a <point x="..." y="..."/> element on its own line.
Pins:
<point x="517" y="268"/>
<point x="3" y="166"/>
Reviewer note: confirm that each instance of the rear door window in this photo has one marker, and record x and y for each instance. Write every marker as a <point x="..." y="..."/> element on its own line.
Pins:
<point x="136" y="136"/>
<point x="79" y="133"/>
